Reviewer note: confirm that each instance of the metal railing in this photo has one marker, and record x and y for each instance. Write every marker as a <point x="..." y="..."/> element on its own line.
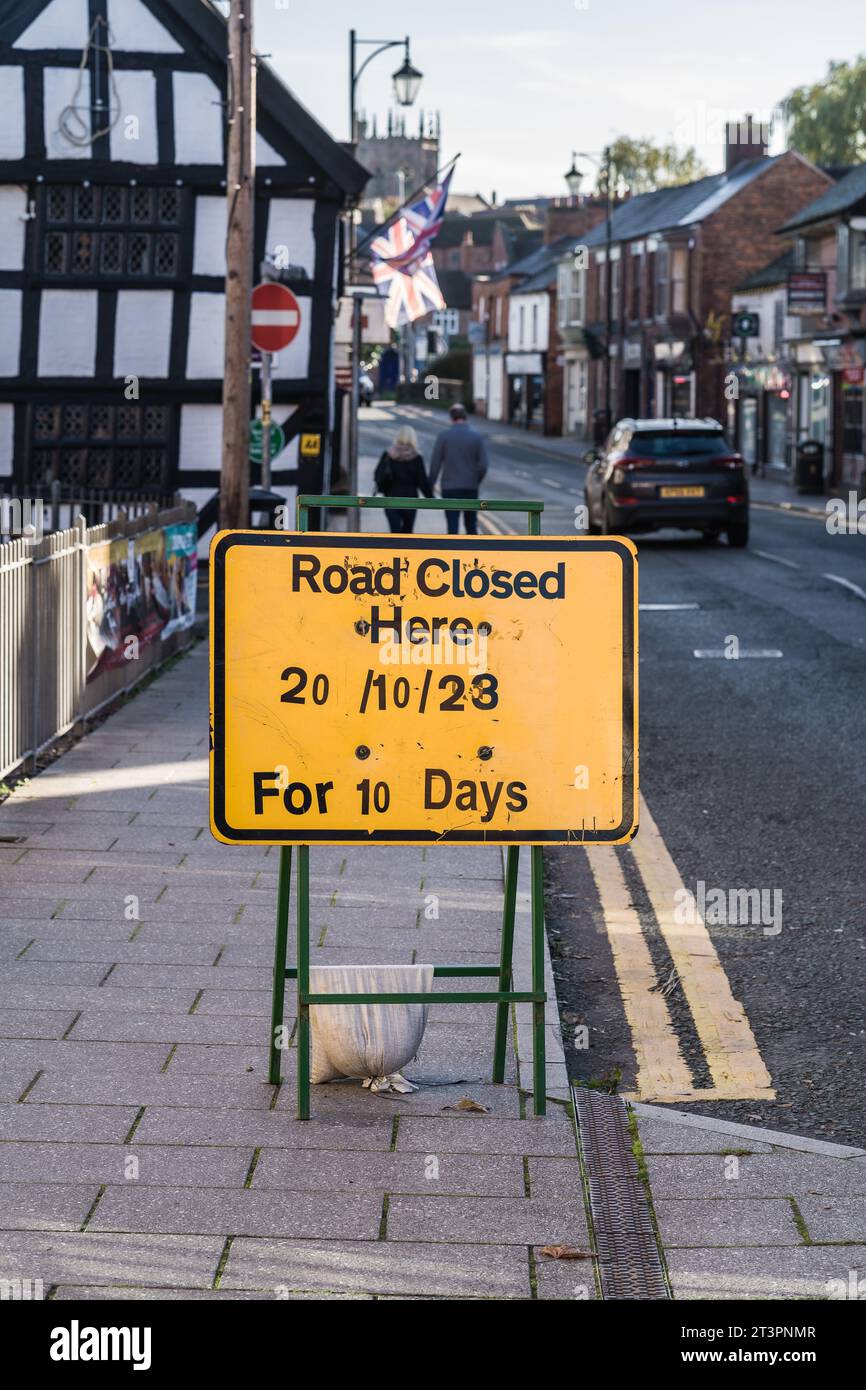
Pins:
<point x="44" y="687"/>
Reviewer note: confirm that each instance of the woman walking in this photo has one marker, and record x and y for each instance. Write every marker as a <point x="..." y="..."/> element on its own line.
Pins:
<point x="400" y="472"/>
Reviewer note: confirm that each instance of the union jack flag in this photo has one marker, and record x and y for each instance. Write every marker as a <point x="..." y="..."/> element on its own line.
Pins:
<point x="402" y="264"/>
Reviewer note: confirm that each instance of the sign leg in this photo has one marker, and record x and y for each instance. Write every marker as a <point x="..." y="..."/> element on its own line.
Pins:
<point x="278" y="986"/>
<point x="539" y="1073"/>
<point x="303" y="957"/>
<point x="506" y="952"/>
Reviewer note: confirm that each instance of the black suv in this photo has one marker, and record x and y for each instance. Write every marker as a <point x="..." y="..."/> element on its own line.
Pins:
<point x="654" y="473"/>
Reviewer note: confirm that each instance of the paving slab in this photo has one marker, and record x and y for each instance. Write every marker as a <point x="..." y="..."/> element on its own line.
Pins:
<point x="267" y="1129"/>
<point x="316" y="1170"/>
<point x="494" y="1220"/>
<point x="834" y="1217"/>
<point x="735" y="1222"/>
<point x="87" y="1123"/>
<point x="84" y="1086"/>
<point x="807" y="1272"/>
<point x="95" y="1259"/>
<point x="181" y="1211"/>
<point x="470" y="1133"/>
<point x="764" y="1175"/>
<point x="41" y="1206"/>
<point x="132" y="1164"/>
<point x="379" y="1267"/>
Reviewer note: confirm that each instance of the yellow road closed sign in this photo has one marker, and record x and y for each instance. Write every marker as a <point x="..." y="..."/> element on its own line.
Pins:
<point x="410" y="689"/>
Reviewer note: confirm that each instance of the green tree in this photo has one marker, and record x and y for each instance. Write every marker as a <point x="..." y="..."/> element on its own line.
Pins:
<point x="827" y="121"/>
<point x="641" y="165"/>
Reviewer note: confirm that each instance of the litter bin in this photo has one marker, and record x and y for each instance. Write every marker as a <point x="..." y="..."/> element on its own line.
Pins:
<point x="600" y="426"/>
<point x="809" y="466"/>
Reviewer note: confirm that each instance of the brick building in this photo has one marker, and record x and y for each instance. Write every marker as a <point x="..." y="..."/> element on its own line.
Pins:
<point x="677" y="256"/>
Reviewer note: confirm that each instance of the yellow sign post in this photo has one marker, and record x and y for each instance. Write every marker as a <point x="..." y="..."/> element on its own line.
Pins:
<point x="403" y="690"/>
<point x="374" y="689"/>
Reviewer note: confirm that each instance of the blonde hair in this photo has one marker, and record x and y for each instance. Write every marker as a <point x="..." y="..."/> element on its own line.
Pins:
<point x="406" y="435"/>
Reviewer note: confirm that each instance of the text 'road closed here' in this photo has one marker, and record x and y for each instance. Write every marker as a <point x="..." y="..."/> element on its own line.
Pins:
<point x="408" y="689"/>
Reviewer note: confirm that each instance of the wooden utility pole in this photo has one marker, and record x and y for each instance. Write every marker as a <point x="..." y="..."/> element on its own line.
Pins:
<point x="240" y="184"/>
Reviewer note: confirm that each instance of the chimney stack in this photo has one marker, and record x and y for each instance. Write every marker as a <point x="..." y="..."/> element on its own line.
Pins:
<point x="745" y="140"/>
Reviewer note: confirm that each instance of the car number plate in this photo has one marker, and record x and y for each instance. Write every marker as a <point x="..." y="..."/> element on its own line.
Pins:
<point x="682" y="491"/>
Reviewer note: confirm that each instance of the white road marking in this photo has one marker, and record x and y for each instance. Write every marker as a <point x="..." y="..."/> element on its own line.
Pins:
<point x="777" y="559"/>
<point x="846" y="584"/>
<point x="758" y="652"/>
<point x="550" y="482"/>
<point x="665" y="607"/>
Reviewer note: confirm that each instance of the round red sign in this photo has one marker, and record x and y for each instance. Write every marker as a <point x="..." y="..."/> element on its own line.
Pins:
<point x="276" y="317"/>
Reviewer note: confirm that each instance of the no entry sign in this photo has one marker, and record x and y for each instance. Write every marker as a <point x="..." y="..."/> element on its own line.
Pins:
<point x="276" y="317"/>
<point x="409" y="689"/>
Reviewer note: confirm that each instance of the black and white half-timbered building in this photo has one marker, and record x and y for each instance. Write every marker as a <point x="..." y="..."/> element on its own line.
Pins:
<point x="112" y="248"/>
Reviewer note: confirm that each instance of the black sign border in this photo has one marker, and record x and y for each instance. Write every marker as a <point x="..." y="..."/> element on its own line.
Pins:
<point x="627" y="828"/>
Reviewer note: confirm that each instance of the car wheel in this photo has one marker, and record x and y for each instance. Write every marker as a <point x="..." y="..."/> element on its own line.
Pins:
<point x="608" y="525"/>
<point x="738" y="534"/>
<point x="592" y="527"/>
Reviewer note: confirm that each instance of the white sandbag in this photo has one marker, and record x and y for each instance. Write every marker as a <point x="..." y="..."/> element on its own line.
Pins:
<point x="366" y="1040"/>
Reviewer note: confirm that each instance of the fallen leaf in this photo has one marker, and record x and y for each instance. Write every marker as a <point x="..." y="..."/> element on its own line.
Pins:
<point x="565" y="1252"/>
<point x="472" y="1106"/>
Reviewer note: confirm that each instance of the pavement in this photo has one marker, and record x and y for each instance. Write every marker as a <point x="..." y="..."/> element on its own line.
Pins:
<point x="143" y="1154"/>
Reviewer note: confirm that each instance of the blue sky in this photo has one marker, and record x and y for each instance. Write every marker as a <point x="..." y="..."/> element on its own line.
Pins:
<point x="520" y="83"/>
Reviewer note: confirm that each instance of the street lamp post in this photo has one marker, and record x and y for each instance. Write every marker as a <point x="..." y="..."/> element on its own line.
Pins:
<point x="573" y="179"/>
<point x="407" y="80"/>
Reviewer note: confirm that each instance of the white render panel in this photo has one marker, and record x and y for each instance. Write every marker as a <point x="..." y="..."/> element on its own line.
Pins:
<point x="62" y="24"/>
<point x="61" y="92"/>
<point x="13" y="208"/>
<point x="205" y="346"/>
<point x="201" y="438"/>
<point x="67" y="333"/>
<point x="209" y="256"/>
<point x="265" y="152"/>
<point x="134" y="137"/>
<point x="290" y="225"/>
<point x="142" y="340"/>
<point x="135" y="30"/>
<point x="10" y="333"/>
<point x="293" y="363"/>
<point x="12" y="114"/>
<point x="7" y="438"/>
<point x="198" y="119"/>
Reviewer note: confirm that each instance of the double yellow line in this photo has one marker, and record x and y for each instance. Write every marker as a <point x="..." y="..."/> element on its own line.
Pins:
<point x="734" y="1061"/>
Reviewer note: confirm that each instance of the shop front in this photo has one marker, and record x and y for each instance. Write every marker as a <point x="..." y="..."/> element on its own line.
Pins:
<point x="525" y="373"/>
<point x="830" y="405"/>
<point x="760" y="415"/>
<point x="674" y="379"/>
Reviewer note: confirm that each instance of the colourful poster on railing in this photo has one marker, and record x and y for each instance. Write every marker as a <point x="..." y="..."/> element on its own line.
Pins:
<point x="128" y="598"/>
<point x="181" y="562"/>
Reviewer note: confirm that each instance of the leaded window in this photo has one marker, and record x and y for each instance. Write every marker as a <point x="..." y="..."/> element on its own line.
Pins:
<point x="111" y="232"/>
<point x="100" y="445"/>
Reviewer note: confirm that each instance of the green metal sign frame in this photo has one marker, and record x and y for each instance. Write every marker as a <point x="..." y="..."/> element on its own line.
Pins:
<point x="502" y="997"/>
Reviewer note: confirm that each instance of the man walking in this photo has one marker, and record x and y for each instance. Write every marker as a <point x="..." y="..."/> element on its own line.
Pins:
<point x="460" y="456"/>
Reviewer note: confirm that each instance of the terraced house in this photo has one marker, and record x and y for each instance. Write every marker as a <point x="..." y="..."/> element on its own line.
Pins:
<point x="677" y="255"/>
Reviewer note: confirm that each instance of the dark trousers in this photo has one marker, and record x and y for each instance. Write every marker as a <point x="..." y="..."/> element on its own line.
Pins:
<point x="400" y="520"/>
<point x="470" y="519"/>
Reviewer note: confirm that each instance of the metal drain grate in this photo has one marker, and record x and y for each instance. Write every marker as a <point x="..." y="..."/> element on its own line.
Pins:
<point x="628" y="1256"/>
